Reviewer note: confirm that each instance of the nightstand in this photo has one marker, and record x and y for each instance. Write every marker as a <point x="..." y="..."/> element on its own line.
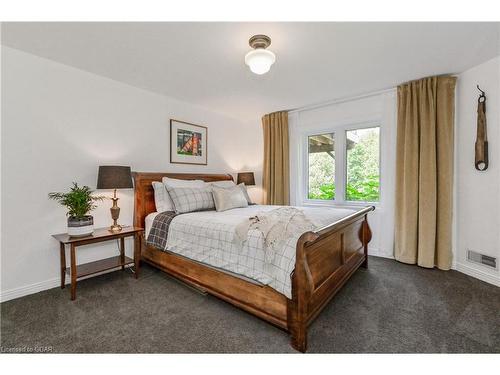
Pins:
<point x="99" y="235"/>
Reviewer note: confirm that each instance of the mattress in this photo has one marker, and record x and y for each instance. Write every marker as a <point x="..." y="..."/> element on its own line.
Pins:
<point x="208" y="237"/>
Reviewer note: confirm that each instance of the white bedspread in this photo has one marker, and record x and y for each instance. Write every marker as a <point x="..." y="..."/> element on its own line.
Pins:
<point x="208" y="237"/>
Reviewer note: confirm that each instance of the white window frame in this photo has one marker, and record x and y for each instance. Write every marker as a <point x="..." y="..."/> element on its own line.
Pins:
<point x="306" y="166"/>
<point x="339" y="136"/>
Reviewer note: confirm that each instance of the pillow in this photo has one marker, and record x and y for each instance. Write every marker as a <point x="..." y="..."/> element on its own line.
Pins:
<point x="162" y="199"/>
<point x="245" y="192"/>
<point x="231" y="184"/>
<point x="174" y="182"/>
<point x="223" y="184"/>
<point x="228" y="198"/>
<point x="190" y="199"/>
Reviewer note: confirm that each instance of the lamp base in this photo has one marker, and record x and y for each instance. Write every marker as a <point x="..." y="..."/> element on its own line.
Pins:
<point x="115" y="228"/>
<point x="115" y="213"/>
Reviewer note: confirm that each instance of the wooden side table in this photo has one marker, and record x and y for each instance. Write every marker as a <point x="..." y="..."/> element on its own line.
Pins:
<point x="99" y="235"/>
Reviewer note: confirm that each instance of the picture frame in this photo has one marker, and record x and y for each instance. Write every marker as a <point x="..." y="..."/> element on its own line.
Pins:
<point x="188" y="143"/>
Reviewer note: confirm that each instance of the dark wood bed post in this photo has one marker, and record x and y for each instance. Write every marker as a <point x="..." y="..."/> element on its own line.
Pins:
<point x="367" y="237"/>
<point x="302" y="289"/>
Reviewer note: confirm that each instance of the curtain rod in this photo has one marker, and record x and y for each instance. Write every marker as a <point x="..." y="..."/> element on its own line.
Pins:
<point x="356" y="97"/>
<point x="341" y="100"/>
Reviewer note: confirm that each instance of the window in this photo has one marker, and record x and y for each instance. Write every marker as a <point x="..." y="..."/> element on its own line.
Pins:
<point x="363" y="165"/>
<point x="353" y="175"/>
<point x="321" y="165"/>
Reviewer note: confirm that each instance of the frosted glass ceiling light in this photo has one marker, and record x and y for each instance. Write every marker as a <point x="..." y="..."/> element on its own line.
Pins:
<point x="260" y="59"/>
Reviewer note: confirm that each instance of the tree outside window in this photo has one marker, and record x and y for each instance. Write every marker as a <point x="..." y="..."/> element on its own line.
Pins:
<point x="362" y="165"/>
<point x="321" y="154"/>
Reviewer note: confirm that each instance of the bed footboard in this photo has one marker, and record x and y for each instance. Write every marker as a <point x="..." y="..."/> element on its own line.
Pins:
<point x="325" y="260"/>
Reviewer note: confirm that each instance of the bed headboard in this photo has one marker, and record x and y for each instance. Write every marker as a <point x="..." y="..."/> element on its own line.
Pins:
<point x="144" y="202"/>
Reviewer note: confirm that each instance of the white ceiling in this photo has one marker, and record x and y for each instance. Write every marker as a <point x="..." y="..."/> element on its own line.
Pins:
<point x="202" y="63"/>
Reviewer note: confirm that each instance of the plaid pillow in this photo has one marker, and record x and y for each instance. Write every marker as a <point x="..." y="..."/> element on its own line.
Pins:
<point x="191" y="199"/>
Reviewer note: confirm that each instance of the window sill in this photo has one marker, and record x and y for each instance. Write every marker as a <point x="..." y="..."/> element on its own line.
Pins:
<point x="319" y="203"/>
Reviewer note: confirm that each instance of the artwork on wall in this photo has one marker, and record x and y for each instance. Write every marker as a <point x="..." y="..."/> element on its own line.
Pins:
<point x="481" y="154"/>
<point x="188" y="143"/>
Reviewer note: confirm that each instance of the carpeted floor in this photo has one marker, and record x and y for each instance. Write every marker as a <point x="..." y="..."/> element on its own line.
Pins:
<point x="390" y="307"/>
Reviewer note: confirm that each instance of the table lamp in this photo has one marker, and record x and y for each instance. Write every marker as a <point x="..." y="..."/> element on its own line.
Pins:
<point x="246" y="177"/>
<point x="114" y="177"/>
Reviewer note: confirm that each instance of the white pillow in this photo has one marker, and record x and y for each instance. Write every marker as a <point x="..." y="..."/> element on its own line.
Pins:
<point x="230" y="184"/>
<point x="162" y="199"/>
<point x="223" y="184"/>
<point x="245" y="192"/>
<point x="174" y="182"/>
<point x="228" y="198"/>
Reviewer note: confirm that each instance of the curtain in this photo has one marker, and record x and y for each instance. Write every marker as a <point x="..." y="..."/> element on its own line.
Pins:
<point x="276" y="178"/>
<point x="424" y="172"/>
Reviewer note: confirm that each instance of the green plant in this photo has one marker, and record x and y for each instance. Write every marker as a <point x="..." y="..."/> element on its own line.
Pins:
<point x="79" y="200"/>
<point x="325" y="191"/>
<point x="366" y="190"/>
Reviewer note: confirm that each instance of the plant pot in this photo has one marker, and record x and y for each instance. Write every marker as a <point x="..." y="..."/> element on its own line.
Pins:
<point x="79" y="227"/>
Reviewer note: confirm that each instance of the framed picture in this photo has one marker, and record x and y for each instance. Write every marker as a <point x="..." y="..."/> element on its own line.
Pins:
<point x="188" y="143"/>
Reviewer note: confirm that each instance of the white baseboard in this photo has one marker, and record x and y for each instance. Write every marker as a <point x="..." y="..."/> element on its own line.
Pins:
<point x="22" y="291"/>
<point x="378" y="253"/>
<point x="478" y="274"/>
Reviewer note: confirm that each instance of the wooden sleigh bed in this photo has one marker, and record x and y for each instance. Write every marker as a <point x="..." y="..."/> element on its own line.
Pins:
<point x="325" y="260"/>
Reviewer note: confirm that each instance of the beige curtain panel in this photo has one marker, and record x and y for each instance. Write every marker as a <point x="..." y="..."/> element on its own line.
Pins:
<point x="276" y="178"/>
<point x="424" y="172"/>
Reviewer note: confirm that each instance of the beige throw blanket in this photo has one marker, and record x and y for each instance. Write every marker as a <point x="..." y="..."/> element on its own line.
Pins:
<point x="276" y="227"/>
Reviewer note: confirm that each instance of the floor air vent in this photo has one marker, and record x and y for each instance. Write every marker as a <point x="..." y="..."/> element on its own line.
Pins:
<point x="486" y="260"/>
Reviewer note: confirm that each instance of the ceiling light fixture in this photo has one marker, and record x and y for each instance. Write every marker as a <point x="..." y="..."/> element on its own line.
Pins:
<point x="260" y="59"/>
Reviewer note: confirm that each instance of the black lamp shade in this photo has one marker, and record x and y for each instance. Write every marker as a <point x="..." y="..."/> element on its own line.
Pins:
<point x="247" y="178"/>
<point x="114" y="177"/>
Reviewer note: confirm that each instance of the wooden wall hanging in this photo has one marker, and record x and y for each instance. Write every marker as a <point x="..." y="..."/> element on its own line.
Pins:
<point x="481" y="159"/>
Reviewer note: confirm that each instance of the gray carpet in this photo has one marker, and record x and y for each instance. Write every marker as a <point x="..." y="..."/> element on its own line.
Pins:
<point x="390" y="307"/>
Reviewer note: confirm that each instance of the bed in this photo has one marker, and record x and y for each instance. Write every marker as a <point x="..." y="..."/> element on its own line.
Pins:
<point x="324" y="260"/>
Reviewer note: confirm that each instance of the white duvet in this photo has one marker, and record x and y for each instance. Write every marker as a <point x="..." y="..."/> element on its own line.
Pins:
<point x="209" y="237"/>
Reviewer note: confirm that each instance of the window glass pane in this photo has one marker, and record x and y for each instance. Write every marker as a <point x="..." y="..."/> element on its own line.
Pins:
<point x="321" y="158"/>
<point x="363" y="165"/>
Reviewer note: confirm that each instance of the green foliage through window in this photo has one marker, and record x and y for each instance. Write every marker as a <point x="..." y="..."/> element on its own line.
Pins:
<point x="321" y="154"/>
<point x="363" y="179"/>
<point x="362" y="166"/>
<point x="324" y="191"/>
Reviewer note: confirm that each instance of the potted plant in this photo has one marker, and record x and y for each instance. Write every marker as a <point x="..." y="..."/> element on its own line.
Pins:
<point x="79" y="201"/>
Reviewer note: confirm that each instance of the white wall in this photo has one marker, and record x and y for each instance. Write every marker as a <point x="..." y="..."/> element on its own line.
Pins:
<point x="58" y="125"/>
<point x="478" y="193"/>
<point x="378" y="109"/>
